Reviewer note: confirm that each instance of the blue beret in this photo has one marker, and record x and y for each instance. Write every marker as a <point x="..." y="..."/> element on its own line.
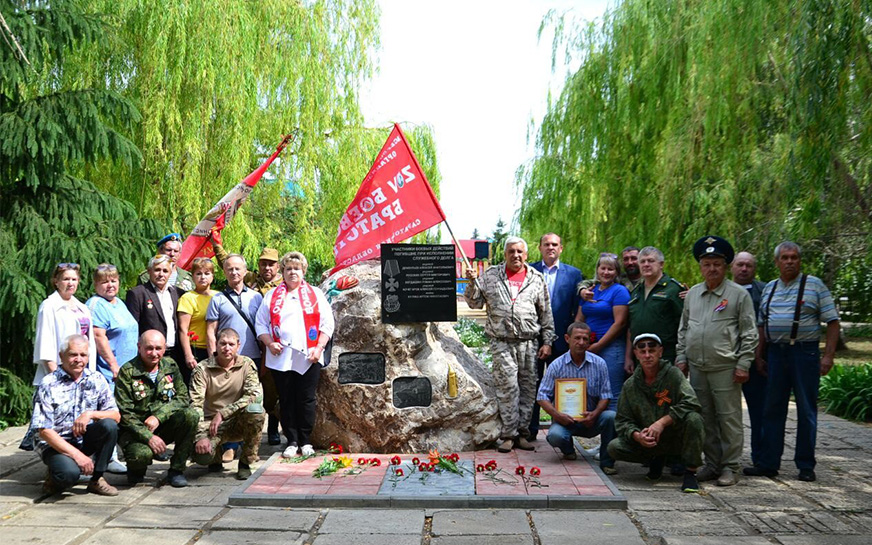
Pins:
<point x="170" y="237"/>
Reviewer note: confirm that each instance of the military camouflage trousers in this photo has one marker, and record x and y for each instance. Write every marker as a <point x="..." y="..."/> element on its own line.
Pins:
<point x="683" y="441"/>
<point x="242" y="426"/>
<point x="514" y="370"/>
<point x="179" y="429"/>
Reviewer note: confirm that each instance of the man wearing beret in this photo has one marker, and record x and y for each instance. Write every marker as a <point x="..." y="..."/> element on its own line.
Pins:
<point x="658" y="415"/>
<point x="171" y="245"/>
<point x="717" y="340"/>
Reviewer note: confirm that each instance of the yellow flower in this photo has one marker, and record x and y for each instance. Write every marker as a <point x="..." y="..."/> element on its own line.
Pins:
<point x="344" y="461"/>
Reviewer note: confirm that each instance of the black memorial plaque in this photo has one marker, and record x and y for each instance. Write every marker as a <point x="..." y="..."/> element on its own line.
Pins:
<point x="417" y="283"/>
<point x="361" y="368"/>
<point x="412" y="392"/>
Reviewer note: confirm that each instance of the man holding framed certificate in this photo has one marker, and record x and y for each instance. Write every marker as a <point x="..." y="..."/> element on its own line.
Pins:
<point x="575" y="391"/>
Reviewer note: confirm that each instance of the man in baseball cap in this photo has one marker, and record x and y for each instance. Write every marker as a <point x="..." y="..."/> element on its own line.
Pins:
<point x="658" y="415"/>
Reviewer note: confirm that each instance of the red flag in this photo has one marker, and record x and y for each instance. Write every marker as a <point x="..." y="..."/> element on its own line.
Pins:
<point x="394" y="202"/>
<point x="197" y="244"/>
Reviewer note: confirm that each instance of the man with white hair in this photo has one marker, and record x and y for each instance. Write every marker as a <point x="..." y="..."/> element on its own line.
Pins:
<point x="518" y="319"/>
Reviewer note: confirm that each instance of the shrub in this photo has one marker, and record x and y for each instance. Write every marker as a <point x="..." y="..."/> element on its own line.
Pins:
<point x="15" y="399"/>
<point x="471" y="334"/>
<point x="847" y="391"/>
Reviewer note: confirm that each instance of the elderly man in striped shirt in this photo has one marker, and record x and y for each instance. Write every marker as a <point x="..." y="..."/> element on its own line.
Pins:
<point x="597" y="420"/>
<point x="792" y="308"/>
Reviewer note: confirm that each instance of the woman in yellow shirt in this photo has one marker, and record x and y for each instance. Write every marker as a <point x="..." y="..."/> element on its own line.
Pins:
<point x="192" y="312"/>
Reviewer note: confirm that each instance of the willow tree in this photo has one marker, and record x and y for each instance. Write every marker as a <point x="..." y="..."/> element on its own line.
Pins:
<point x="218" y="84"/>
<point x="50" y="127"/>
<point x="745" y="118"/>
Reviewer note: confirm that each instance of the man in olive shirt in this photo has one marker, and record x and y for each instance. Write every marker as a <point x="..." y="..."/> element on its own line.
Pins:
<point x="717" y="340"/>
<point x="155" y="410"/>
<point x="655" y="305"/>
<point x="226" y="393"/>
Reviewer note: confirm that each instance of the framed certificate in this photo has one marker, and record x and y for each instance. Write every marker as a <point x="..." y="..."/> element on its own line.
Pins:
<point x="570" y="396"/>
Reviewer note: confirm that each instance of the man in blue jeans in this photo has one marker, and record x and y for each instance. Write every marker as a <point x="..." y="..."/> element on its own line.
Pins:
<point x="792" y="308"/>
<point x="578" y="363"/>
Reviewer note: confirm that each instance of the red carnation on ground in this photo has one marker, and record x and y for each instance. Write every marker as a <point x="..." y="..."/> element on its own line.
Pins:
<point x="416" y="461"/>
<point x="422" y="468"/>
<point x="535" y="471"/>
<point x="362" y="461"/>
<point x="335" y="448"/>
<point x="519" y="470"/>
<point x="375" y="462"/>
<point x="395" y="461"/>
<point x="480" y="468"/>
<point x="398" y="472"/>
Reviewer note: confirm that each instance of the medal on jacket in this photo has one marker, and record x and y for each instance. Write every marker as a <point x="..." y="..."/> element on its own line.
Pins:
<point x="721" y="306"/>
<point x="149" y="305"/>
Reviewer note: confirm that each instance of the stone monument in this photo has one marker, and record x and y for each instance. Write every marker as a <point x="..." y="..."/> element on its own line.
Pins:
<point x="386" y="388"/>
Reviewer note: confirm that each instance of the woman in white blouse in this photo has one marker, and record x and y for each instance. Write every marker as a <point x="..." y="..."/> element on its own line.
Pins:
<point x="60" y="315"/>
<point x="295" y="323"/>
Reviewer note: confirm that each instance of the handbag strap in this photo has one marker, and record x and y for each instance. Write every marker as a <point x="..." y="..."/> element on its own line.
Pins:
<point x="238" y="308"/>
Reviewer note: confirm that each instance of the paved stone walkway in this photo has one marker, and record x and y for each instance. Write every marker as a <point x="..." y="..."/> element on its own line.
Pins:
<point x="836" y="510"/>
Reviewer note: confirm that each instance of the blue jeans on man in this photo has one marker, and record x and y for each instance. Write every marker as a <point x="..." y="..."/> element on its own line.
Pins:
<point x="561" y="436"/>
<point x="791" y="368"/>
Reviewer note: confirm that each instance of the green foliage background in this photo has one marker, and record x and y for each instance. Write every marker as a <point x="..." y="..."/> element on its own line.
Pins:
<point x="744" y="118"/>
<point x="132" y="110"/>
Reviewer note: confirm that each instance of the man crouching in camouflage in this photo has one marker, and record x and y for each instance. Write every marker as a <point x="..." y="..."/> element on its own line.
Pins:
<point x="518" y="317"/>
<point x="226" y="393"/>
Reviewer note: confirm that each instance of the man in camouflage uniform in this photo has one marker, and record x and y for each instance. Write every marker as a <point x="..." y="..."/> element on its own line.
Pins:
<point x="155" y="410"/>
<point x="267" y="276"/>
<point x="518" y="318"/>
<point x="171" y="245"/>
<point x="228" y="397"/>
<point x="658" y="415"/>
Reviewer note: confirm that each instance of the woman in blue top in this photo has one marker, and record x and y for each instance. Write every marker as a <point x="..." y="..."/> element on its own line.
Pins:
<point x="115" y="329"/>
<point x="607" y="316"/>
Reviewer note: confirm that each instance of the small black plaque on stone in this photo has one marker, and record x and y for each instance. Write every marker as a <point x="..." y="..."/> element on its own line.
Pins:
<point x="361" y="368"/>
<point x="412" y="392"/>
<point x="418" y="283"/>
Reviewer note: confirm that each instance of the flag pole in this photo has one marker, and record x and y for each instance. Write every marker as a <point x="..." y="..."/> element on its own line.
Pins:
<point x="462" y="253"/>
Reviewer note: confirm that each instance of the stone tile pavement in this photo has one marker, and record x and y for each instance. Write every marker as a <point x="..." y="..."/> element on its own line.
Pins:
<point x="836" y="510"/>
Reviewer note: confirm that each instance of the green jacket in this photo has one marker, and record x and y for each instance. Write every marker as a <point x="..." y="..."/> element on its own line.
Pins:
<point x="184" y="280"/>
<point x="640" y="405"/>
<point x="659" y="313"/>
<point x="138" y="397"/>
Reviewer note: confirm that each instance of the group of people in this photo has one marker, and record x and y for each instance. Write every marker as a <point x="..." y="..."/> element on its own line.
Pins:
<point x="665" y="366"/>
<point x="176" y="362"/>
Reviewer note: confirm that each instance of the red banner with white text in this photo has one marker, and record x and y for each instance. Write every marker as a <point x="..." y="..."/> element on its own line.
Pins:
<point x="394" y="203"/>
<point x="197" y="244"/>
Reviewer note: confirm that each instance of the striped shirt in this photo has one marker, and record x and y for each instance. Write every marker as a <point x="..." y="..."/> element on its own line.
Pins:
<point x="817" y="306"/>
<point x="60" y="401"/>
<point x="593" y="369"/>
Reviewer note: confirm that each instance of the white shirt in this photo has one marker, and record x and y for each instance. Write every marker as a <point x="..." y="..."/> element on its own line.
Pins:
<point x="293" y="328"/>
<point x="550" y="274"/>
<point x="55" y="321"/>
<point x="166" y="308"/>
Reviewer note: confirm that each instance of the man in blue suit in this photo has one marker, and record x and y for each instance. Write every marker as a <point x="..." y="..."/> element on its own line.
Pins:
<point x="561" y="280"/>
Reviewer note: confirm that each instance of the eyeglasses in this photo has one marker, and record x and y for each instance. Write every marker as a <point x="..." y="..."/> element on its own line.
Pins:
<point x="68" y="265"/>
<point x="647" y="344"/>
<point x="106" y="267"/>
<point x="607" y="254"/>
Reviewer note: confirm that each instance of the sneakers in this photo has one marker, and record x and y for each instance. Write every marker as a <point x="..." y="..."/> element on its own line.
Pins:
<point x="707" y="473"/>
<point x="593" y="451"/>
<point x="176" y="479"/>
<point x="102" y="488"/>
<point x="570" y="456"/>
<point x="609" y="470"/>
<point x="655" y="469"/>
<point x="116" y="466"/>
<point x="216" y="468"/>
<point x="243" y="472"/>
<point x="728" y="478"/>
<point x="757" y="471"/>
<point x="690" y="484"/>
<point x="807" y="475"/>
<point x="290" y="451"/>
<point x="506" y="445"/>
<point x="523" y="444"/>
<point x="307" y="450"/>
